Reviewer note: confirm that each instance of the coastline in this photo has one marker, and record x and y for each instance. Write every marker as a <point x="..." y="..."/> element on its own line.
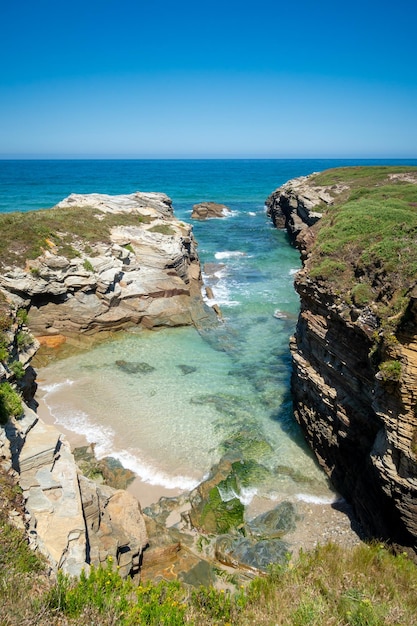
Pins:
<point x="319" y="522"/>
<point x="144" y="492"/>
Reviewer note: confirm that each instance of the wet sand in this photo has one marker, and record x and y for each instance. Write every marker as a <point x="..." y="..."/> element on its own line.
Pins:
<point x="319" y="522"/>
<point x="145" y="492"/>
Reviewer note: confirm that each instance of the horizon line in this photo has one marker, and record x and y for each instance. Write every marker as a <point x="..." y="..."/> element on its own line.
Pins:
<point x="118" y="157"/>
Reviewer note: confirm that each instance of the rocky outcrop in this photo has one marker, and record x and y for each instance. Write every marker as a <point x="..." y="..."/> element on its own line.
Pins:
<point x="208" y="210"/>
<point x="359" y="417"/>
<point x="144" y="271"/>
<point x="73" y="521"/>
<point x="297" y="205"/>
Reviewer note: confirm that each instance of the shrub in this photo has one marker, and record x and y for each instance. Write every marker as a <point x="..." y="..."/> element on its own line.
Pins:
<point x="17" y="368"/>
<point x="10" y="403"/>
<point x="390" y="370"/>
<point x="23" y="340"/>
<point x="5" y="321"/>
<point x="362" y="294"/>
<point x="22" y="316"/>
<point x="88" y="266"/>
<point x="4" y="352"/>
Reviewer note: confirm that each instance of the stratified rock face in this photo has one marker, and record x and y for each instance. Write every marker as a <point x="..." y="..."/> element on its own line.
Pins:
<point x="207" y="210"/>
<point x="71" y="520"/>
<point x="361" y="425"/>
<point x="295" y="205"/>
<point x="147" y="272"/>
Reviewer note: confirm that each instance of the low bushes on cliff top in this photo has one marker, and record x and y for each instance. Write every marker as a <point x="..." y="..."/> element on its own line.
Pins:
<point x="364" y="177"/>
<point x="368" y="236"/>
<point x="26" y="236"/>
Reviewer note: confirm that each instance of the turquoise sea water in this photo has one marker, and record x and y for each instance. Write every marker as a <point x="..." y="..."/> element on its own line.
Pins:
<point x="196" y="397"/>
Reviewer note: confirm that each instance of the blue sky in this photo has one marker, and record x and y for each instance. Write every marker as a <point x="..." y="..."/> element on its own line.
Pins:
<point x="174" y="78"/>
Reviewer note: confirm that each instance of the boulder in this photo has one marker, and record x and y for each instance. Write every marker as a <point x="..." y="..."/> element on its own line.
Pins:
<point x="208" y="210"/>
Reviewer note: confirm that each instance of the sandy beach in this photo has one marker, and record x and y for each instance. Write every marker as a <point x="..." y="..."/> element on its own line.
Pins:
<point x="145" y="492"/>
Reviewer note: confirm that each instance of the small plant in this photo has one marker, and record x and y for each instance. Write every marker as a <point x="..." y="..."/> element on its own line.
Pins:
<point x="163" y="229"/>
<point x="390" y="371"/>
<point x="4" y="352"/>
<point x="362" y="294"/>
<point x="24" y="340"/>
<point x="129" y="247"/>
<point x="35" y="272"/>
<point x="5" y="321"/>
<point x="22" y="316"/>
<point x="88" y="266"/>
<point x="10" y="403"/>
<point x="17" y="369"/>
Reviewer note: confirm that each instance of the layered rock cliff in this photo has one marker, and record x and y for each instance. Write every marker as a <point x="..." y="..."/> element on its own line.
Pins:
<point x="354" y="380"/>
<point x="96" y="262"/>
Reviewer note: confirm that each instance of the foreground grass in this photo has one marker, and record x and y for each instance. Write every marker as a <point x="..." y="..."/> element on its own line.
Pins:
<point x="366" y="586"/>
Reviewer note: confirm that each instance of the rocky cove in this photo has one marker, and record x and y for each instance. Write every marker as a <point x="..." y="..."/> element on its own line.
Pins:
<point x="172" y="523"/>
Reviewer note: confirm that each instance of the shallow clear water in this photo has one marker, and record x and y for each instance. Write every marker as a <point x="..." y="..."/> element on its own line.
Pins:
<point x="170" y="403"/>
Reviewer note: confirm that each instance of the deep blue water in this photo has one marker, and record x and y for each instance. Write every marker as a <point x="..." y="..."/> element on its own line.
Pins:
<point x="34" y="184"/>
<point x="169" y="427"/>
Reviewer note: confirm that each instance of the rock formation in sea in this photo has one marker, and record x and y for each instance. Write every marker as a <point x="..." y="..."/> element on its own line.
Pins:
<point x="207" y="210"/>
<point x="97" y="262"/>
<point x="354" y="353"/>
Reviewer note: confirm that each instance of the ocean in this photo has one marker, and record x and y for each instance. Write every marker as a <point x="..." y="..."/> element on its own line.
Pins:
<point x="195" y="397"/>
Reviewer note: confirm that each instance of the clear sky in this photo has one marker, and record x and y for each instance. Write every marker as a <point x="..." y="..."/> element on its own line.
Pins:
<point x="182" y="78"/>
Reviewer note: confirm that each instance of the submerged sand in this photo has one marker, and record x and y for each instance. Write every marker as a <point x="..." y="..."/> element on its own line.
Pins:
<point x="145" y="493"/>
<point x="319" y="522"/>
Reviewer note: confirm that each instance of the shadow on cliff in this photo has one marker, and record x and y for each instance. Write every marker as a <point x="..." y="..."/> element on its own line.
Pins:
<point x="344" y="507"/>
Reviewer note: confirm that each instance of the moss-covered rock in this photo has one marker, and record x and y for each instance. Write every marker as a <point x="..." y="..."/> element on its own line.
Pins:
<point x="215" y="507"/>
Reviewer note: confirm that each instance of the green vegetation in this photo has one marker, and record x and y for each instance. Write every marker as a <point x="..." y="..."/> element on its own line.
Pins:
<point x="23" y="339"/>
<point x="88" y="266"/>
<point x="10" y="403"/>
<point x="163" y="229"/>
<point x="365" y="247"/>
<point x="4" y="352"/>
<point x="17" y="369"/>
<point x="22" y="316"/>
<point x="390" y="370"/>
<point x="364" y="586"/>
<point x="360" y="177"/>
<point x="65" y="231"/>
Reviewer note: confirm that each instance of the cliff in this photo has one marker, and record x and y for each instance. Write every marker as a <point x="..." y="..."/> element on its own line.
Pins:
<point x="97" y="262"/>
<point x="354" y="353"/>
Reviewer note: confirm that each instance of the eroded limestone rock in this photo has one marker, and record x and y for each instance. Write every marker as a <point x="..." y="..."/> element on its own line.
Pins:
<point x="147" y="272"/>
<point x="72" y="520"/>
